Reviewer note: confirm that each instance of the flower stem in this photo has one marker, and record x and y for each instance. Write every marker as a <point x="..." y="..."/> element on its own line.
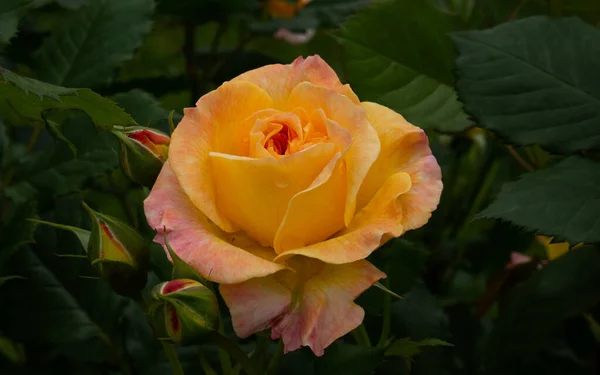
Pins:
<point x="387" y="318"/>
<point x="171" y="354"/>
<point x="520" y="159"/>
<point x="260" y="350"/>
<point x="274" y="363"/>
<point x="168" y="348"/>
<point x="361" y="336"/>
<point x="223" y="355"/>
<point x="234" y="351"/>
<point x="206" y="367"/>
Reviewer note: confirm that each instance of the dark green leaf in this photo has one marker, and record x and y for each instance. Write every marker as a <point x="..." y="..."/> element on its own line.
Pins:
<point x="534" y="309"/>
<point x="90" y="45"/>
<point x="420" y="317"/>
<point x="11" y="350"/>
<point x="345" y="359"/>
<point x="534" y="81"/>
<point x="15" y="231"/>
<point x="71" y="175"/>
<point x="72" y="4"/>
<point x="82" y="235"/>
<point x="23" y="101"/>
<point x="5" y="279"/>
<point x="404" y="261"/>
<point x="562" y="200"/>
<point x="10" y="13"/>
<point x="410" y="72"/>
<point x="47" y="313"/>
<point x="407" y="349"/>
<point x="144" y="108"/>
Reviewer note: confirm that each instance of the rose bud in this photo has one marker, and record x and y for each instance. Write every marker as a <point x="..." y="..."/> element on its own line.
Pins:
<point x="118" y="252"/>
<point x="184" y="311"/>
<point x="143" y="152"/>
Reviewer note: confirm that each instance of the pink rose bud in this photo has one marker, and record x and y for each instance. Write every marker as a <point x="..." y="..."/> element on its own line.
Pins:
<point x="143" y="152"/>
<point x="118" y="252"/>
<point x="184" y="311"/>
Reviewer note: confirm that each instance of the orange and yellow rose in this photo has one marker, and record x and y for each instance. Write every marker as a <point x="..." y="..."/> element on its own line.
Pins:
<point x="279" y="184"/>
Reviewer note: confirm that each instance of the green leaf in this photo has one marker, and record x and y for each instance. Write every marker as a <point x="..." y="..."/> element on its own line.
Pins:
<point x="15" y="231"/>
<point x="11" y="350"/>
<point x="144" y="108"/>
<point x="71" y="175"/>
<point x="535" y="308"/>
<point x="345" y="359"/>
<point x="5" y="279"/>
<point x="410" y="72"/>
<point x="407" y="349"/>
<point x="562" y="200"/>
<point x="72" y="4"/>
<point x="420" y="317"/>
<point x="534" y="81"/>
<point x="10" y="13"/>
<point x="82" y="235"/>
<point x="47" y="313"/>
<point x="23" y="100"/>
<point x="90" y="45"/>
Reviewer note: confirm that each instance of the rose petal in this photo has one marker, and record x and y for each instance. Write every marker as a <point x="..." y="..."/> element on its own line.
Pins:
<point x="255" y="193"/>
<point x="216" y="255"/>
<point x="404" y="148"/>
<point x="317" y="212"/>
<point x="365" y="143"/>
<point x="382" y="216"/>
<point x="322" y="312"/>
<point x="220" y="112"/>
<point x="279" y="80"/>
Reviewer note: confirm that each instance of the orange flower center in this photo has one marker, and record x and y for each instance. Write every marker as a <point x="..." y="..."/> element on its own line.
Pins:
<point x="279" y="142"/>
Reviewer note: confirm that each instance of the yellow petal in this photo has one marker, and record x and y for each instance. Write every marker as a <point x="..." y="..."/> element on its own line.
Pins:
<point x="381" y="217"/>
<point x="220" y="113"/>
<point x="279" y="80"/>
<point x="216" y="255"/>
<point x="365" y="143"/>
<point x="317" y="212"/>
<point x="255" y="193"/>
<point x="404" y="148"/>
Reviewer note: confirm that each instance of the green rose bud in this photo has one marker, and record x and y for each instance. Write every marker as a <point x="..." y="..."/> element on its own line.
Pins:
<point x="184" y="311"/>
<point x="118" y="252"/>
<point x="143" y="152"/>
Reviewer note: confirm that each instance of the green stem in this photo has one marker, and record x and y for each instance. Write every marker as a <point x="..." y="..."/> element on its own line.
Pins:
<point x="206" y="367"/>
<point x="260" y="351"/>
<point x="274" y="363"/>
<point x="171" y="354"/>
<point x="223" y="356"/>
<point x="234" y="351"/>
<point x="387" y="317"/>
<point x="361" y="336"/>
<point x="594" y="326"/>
<point x="168" y="348"/>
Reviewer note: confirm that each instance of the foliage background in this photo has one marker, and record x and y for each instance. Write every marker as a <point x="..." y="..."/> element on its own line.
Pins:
<point x="508" y="91"/>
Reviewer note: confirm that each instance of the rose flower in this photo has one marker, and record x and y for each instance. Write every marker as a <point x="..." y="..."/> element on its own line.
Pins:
<point x="278" y="185"/>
